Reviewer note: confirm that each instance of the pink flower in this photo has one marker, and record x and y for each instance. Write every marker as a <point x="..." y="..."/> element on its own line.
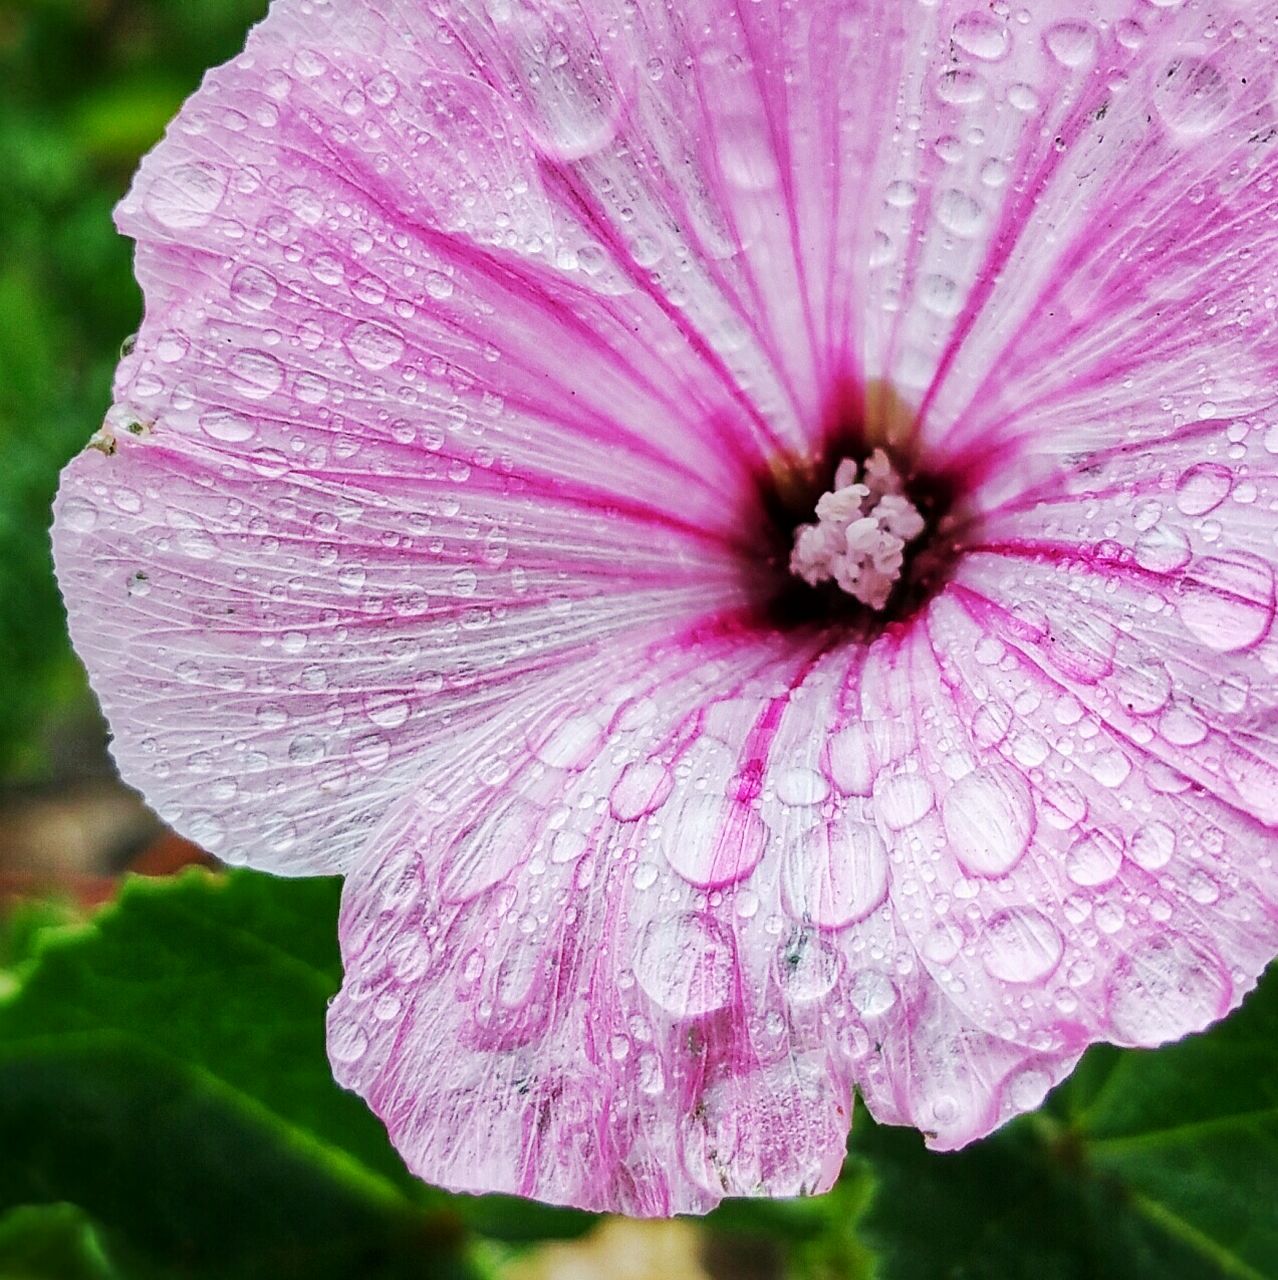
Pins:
<point x="746" y="531"/>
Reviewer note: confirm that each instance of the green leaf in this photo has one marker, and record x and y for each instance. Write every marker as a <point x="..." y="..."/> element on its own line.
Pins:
<point x="1145" y="1163"/>
<point x="164" y="1069"/>
<point x="53" y="1242"/>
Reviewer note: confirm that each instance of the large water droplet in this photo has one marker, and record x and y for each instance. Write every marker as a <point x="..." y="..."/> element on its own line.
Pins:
<point x="257" y="374"/>
<point x="1151" y="847"/>
<point x="902" y="798"/>
<point x="981" y="35"/>
<point x="253" y="289"/>
<point x="1164" y="989"/>
<point x="1094" y="858"/>
<point x="1191" y="97"/>
<point x="837" y="874"/>
<point x="1021" y="945"/>
<point x="375" y="346"/>
<point x="1072" y="44"/>
<point x="186" y="195"/>
<point x="642" y="788"/>
<point x="807" y="967"/>
<point x="487" y="851"/>
<point x="1228" y="602"/>
<point x="686" y="964"/>
<point x="79" y="514"/>
<point x="989" y="818"/>
<point x="1203" y="488"/>
<point x="712" y="840"/>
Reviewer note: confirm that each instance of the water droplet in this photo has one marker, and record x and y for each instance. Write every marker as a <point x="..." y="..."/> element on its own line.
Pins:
<point x="981" y="35"/>
<point x="1165" y="989"/>
<point x="837" y="874"/>
<point x="374" y="346"/>
<point x="571" y="744"/>
<point x="960" y="88"/>
<point x="1228" y="603"/>
<point x="799" y="787"/>
<point x="807" y="967"/>
<point x="347" y="1042"/>
<point x="1021" y="945"/>
<point x="489" y="850"/>
<point x="686" y="963"/>
<point x="388" y="710"/>
<point x="989" y="818"/>
<point x="1144" y="687"/>
<point x="306" y="748"/>
<point x="712" y="840"/>
<point x="186" y="195"/>
<point x="439" y="286"/>
<point x="1191" y="97"/>
<point x="1152" y="846"/>
<point x="219" y="424"/>
<point x="1094" y="858"/>
<point x="871" y="992"/>
<point x="79" y="514"/>
<point x="642" y="788"/>
<point x="902" y="798"/>
<point x="1162" y="550"/>
<point x="959" y="213"/>
<point x="1203" y="488"/>
<point x="257" y="374"/>
<point x="253" y="289"/>
<point x="1072" y="44"/>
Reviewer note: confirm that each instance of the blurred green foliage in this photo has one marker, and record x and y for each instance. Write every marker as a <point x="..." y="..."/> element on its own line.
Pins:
<point x="86" y="86"/>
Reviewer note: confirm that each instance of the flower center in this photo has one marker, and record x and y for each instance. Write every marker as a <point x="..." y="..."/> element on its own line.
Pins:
<point x="863" y="525"/>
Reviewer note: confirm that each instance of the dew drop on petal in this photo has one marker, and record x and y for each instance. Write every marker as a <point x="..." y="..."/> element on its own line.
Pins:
<point x="642" y="788"/>
<point x="837" y="874"/>
<point x="685" y="963"/>
<point x="79" y="514"/>
<point x="1203" y="488"/>
<point x="989" y="817"/>
<point x="375" y="346"/>
<point x="1144" y="688"/>
<point x="185" y="196"/>
<point x="712" y="840"/>
<point x="1165" y="989"/>
<point x="253" y="289"/>
<point x="1228" y="603"/>
<point x="486" y="853"/>
<point x="1094" y="858"/>
<point x="807" y="967"/>
<point x="347" y="1042"/>
<point x="1191" y="97"/>
<point x="871" y="992"/>
<point x="1072" y="44"/>
<point x="1162" y="550"/>
<point x="981" y="35"/>
<point x="1021" y="945"/>
<point x="218" y="424"/>
<point x="1152" y="846"/>
<point x="902" y="798"/>
<point x="257" y="374"/>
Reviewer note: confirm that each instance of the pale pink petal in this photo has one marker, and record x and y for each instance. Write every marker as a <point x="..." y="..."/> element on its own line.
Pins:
<point x="435" y="546"/>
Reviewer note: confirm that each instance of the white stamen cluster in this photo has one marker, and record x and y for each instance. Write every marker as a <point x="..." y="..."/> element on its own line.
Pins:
<point x="860" y="533"/>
